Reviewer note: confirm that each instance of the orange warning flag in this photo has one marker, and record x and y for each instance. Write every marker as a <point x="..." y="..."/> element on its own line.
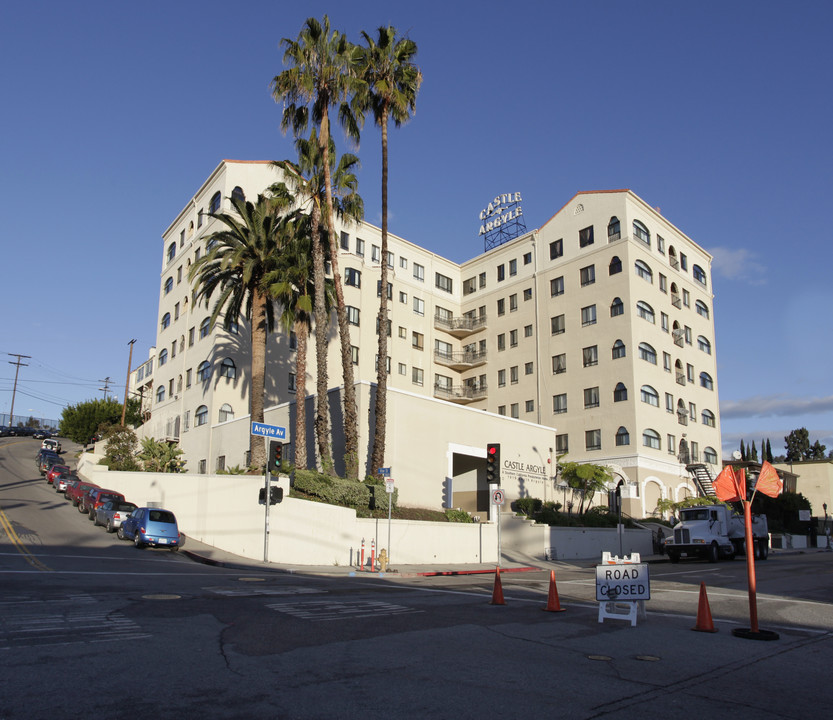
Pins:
<point x="769" y="483"/>
<point x="726" y="485"/>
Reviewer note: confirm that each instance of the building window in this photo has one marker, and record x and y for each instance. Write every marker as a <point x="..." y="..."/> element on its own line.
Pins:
<point x="352" y="315"/>
<point x="513" y="410"/>
<point x="205" y="327"/>
<point x="707" y="418"/>
<point x="163" y="357"/>
<point x="188" y="378"/>
<point x="352" y="277"/>
<point x="204" y="371"/>
<point x="710" y="456"/>
<point x="176" y="311"/>
<point x="172" y="251"/>
<point x="403" y="262"/>
<point x="645" y="311"/>
<point x="587" y="275"/>
<point x="359" y="247"/>
<point x="238" y="194"/>
<point x="201" y="467"/>
<point x="376" y="254"/>
<point x="191" y="336"/>
<point x="618" y="351"/>
<point x="469" y="286"/>
<point x="173" y="349"/>
<point x="561" y="444"/>
<point x="663" y="321"/>
<point x="501" y="273"/>
<point x="354" y="354"/>
<point x="593" y="440"/>
<point x="559" y="363"/>
<point x="591" y="397"/>
<point x="585" y="237"/>
<point x="501" y="409"/>
<point x="559" y="403"/>
<point x="228" y="369"/>
<point x="501" y="342"/>
<point x="221" y="463"/>
<point x="527" y="258"/>
<point x="513" y="302"/>
<point x="417" y="341"/>
<point x="649" y="395"/>
<point x="403" y="297"/>
<point x="169" y="285"/>
<point x="160" y="393"/>
<point x="647" y="353"/>
<point x="419" y="306"/>
<point x="613" y="230"/>
<point x="704" y="345"/>
<point x="226" y="413"/>
<point x="686" y="298"/>
<point x="590" y="356"/>
<point x="640" y="232"/>
<point x="403" y="369"/>
<point x="513" y="338"/>
<point x="702" y="309"/>
<point x="214" y="205"/>
<point x="345" y="241"/>
<point x="529" y="406"/>
<point x="201" y="416"/>
<point x="706" y="381"/>
<point x="669" y="403"/>
<point x="443" y="283"/>
<point x="557" y="324"/>
<point x="644" y="271"/>
<point x="527" y="331"/>
<point x="513" y="268"/>
<point x="683" y="261"/>
<point x="417" y="376"/>
<point x="588" y="315"/>
<point x="617" y="307"/>
<point x="557" y="286"/>
<point x="528" y="368"/>
<point x="689" y="371"/>
<point x="501" y="307"/>
<point x="556" y="249"/>
<point x="379" y="289"/>
<point x="622" y="437"/>
<point x="513" y="374"/>
<point x="501" y="378"/>
<point x="651" y="439"/>
<point x="687" y="335"/>
<point x="166" y="320"/>
<point x="481" y="280"/>
<point x="615" y="266"/>
<point x="527" y="294"/>
<point x="663" y="283"/>
<point x="661" y="244"/>
<point x="620" y="393"/>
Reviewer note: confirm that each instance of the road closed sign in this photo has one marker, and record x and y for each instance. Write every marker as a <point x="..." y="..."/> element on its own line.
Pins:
<point x="622" y="582"/>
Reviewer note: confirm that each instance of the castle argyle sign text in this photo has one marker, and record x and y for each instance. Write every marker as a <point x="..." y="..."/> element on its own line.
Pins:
<point x="503" y="209"/>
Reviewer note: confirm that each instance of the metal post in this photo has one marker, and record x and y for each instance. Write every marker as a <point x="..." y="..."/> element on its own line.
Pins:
<point x="390" y="505"/>
<point x="266" y="520"/>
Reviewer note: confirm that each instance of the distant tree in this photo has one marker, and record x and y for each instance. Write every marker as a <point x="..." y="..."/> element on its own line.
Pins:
<point x="768" y="451"/>
<point x="742" y="450"/>
<point x="120" y="449"/>
<point x="817" y="451"/>
<point x="753" y="453"/>
<point x="80" y="422"/>
<point x="797" y="445"/>
<point x="782" y="512"/>
<point x="585" y="479"/>
<point x="160" y="456"/>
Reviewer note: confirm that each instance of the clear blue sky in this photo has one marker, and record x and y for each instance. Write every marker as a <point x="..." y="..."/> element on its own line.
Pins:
<point x="717" y="112"/>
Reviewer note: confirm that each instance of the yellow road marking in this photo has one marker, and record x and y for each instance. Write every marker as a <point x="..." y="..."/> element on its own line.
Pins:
<point x="6" y="524"/>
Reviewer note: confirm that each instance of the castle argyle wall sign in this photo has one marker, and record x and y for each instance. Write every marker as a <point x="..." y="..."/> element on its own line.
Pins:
<point x="502" y="220"/>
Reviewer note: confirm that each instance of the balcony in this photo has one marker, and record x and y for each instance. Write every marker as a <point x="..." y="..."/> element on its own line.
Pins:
<point x="678" y="338"/>
<point x="682" y="417"/>
<point x="680" y="378"/>
<point x="460" y="394"/>
<point x="676" y="302"/>
<point x="674" y="262"/>
<point x="460" y="361"/>
<point x="460" y="327"/>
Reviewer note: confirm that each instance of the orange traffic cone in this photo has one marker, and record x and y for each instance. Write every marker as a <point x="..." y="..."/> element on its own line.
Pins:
<point x="553" y="605"/>
<point x="497" y="593"/>
<point x="704" y="613"/>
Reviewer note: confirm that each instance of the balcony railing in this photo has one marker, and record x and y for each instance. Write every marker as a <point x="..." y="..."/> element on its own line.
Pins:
<point x="460" y="360"/>
<point x="462" y="394"/>
<point x="680" y="378"/>
<point x="460" y="326"/>
<point x="676" y="302"/>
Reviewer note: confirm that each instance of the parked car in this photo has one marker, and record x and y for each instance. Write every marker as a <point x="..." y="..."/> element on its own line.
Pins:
<point x="95" y="497"/>
<point x="76" y="492"/>
<point x="54" y="471"/>
<point x="112" y="513"/>
<point x="60" y="482"/>
<point x="48" y="461"/>
<point x="152" y="526"/>
<point x="51" y="444"/>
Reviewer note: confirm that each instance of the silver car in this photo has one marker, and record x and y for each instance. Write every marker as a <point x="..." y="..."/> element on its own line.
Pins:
<point x="112" y="513"/>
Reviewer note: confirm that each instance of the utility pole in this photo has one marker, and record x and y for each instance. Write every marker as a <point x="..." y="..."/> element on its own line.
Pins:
<point x="127" y="383"/>
<point x="18" y="365"/>
<point x="106" y="387"/>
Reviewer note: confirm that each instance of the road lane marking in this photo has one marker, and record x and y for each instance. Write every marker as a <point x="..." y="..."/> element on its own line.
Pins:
<point x="6" y="524"/>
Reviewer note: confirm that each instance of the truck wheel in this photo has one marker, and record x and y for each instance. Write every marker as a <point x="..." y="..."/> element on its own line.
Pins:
<point x="763" y="549"/>
<point x="714" y="553"/>
<point x="674" y="556"/>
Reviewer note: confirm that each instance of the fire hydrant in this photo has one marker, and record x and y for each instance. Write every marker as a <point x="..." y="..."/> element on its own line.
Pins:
<point x="383" y="560"/>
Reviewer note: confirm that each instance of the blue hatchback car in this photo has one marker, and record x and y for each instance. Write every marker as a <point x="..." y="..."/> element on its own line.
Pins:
<point x="152" y="526"/>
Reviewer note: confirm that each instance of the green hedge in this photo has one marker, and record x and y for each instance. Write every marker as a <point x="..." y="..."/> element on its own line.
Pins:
<point x="337" y="491"/>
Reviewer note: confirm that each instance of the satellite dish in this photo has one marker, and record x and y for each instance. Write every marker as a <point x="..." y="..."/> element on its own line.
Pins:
<point x="736" y="455"/>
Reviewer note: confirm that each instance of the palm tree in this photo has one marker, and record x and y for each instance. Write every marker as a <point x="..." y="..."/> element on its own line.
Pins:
<point x="236" y="266"/>
<point x="390" y="83"/>
<point x="293" y="287"/>
<point x="307" y="180"/>
<point x="320" y="74"/>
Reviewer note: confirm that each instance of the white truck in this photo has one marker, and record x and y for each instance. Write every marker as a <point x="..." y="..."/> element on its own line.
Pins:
<point x="714" y="532"/>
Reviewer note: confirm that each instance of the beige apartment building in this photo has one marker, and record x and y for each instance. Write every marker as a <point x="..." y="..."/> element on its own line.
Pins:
<point x="591" y="337"/>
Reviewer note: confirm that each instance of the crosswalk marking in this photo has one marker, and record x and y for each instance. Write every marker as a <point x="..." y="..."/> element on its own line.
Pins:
<point x="318" y="610"/>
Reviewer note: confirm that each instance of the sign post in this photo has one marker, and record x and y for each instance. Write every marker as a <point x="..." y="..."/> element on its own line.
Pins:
<point x="498" y="498"/>
<point x="278" y="433"/>
<point x="389" y="491"/>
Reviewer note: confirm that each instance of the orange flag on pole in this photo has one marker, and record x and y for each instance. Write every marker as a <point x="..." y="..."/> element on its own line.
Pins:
<point x="726" y="485"/>
<point x="769" y="483"/>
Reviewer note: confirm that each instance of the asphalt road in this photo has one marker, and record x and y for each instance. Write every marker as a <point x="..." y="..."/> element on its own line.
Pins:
<point x="92" y="627"/>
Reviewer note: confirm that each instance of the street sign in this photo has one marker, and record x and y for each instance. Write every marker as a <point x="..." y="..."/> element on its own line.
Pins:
<point x="622" y="582"/>
<point x="270" y="431"/>
<point x="497" y="497"/>
<point x="384" y="472"/>
<point x="389" y="486"/>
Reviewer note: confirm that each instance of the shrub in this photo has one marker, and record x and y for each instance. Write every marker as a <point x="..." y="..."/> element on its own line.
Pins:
<point x="455" y="515"/>
<point x="528" y="506"/>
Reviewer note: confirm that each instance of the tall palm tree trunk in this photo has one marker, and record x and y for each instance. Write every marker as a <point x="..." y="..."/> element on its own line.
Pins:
<point x="301" y="331"/>
<point x="320" y="315"/>
<point x="257" y="443"/>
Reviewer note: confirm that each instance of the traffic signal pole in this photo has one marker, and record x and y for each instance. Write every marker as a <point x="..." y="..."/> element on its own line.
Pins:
<point x="266" y="518"/>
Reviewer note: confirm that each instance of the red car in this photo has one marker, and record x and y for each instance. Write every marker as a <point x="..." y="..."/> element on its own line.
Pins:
<point x="96" y="497"/>
<point x="76" y="492"/>
<point x="56" y="470"/>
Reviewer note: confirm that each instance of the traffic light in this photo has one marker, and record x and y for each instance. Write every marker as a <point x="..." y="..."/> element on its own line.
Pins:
<point x="493" y="463"/>
<point x="275" y="495"/>
<point x="275" y="456"/>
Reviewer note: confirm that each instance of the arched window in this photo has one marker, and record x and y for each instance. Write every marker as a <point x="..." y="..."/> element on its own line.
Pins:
<point x="163" y="357"/>
<point x="650" y="439"/>
<point x="640" y="232"/>
<point x="706" y="381"/>
<point x="238" y="194"/>
<point x="672" y="257"/>
<point x="699" y="275"/>
<point x="160" y="393"/>
<point x="201" y="416"/>
<point x="647" y="353"/>
<point x="649" y="395"/>
<point x="704" y="345"/>
<point x="226" y="413"/>
<point x="645" y="311"/>
<point x="613" y="229"/>
<point x="618" y="350"/>
<point x="623" y="437"/>
<point x="707" y="417"/>
<point x="214" y="205"/>
<point x="171" y="251"/>
<point x="204" y="371"/>
<point x="710" y="456"/>
<point x="644" y="271"/>
<point x="702" y="309"/>
<point x="166" y="320"/>
<point x="620" y="393"/>
<point x="228" y="369"/>
<point x="205" y="327"/>
<point x="615" y="266"/>
<point x="169" y="285"/>
<point x="617" y="307"/>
